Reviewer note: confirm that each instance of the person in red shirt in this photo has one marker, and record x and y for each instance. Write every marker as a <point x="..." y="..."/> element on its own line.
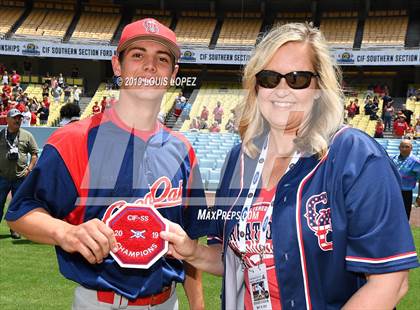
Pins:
<point x="3" y="115"/>
<point x="46" y="102"/>
<point x="103" y="104"/>
<point x="400" y="126"/>
<point x="96" y="109"/>
<point x="204" y="114"/>
<point x="7" y="89"/>
<point x="21" y="107"/>
<point x="215" y="127"/>
<point x="33" y="118"/>
<point x="15" y="78"/>
<point x="4" y="99"/>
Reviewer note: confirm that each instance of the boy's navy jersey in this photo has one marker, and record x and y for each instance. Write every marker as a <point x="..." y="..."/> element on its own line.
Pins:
<point x="87" y="166"/>
<point x="335" y="219"/>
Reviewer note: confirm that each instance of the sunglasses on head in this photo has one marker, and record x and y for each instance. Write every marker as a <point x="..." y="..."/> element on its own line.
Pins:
<point x="295" y="79"/>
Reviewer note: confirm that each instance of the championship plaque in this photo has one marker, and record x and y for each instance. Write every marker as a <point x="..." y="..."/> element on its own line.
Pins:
<point x="137" y="228"/>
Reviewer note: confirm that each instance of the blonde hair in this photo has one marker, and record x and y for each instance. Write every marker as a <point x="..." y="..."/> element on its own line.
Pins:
<point x="327" y="112"/>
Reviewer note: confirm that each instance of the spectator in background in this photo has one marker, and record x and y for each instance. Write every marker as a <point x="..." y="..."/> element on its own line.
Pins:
<point x="43" y="113"/>
<point x="17" y="90"/>
<point x="67" y="94"/>
<point x="351" y="109"/>
<point x="367" y="99"/>
<point x="15" y="165"/>
<point x="26" y="117"/>
<point x="76" y="94"/>
<point x="180" y="97"/>
<point x="69" y="113"/>
<point x="96" y="109"/>
<point x="46" y="102"/>
<point x="45" y="90"/>
<point x="103" y="104"/>
<point x="5" y="78"/>
<point x="20" y="106"/>
<point x="34" y="118"/>
<point x="33" y="104"/>
<point x="379" y="129"/>
<point x="203" y="124"/>
<point x="409" y="168"/>
<point x="407" y="113"/>
<point x="230" y="126"/>
<point x="376" y="101"/>
<point x="3" y="115"/>
<point x="15" y="78"/>
<point x="215" y="127"/>
<point x="6" y="89"/>
<point x="54" y="82"/>
<point x="61" y="80"/>
<point x="204" y="116"/>
<point x="185" y="114"/>
<point x="4" y="99"/>
<point x="218" y="112"/>
<point x="56" y="93"/>
<point x="195" y="124"/>
<point x="388" y="114"/>
<point x="179" y="105"/>
<point x="400" y="126"/>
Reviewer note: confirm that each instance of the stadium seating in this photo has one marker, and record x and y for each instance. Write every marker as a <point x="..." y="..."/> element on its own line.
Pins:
<point x="211" y="150"/>
<point x="48" y="20"/>
<point x="97" y="24"/>
<point x="9" y="15"/>
<point x="292" y="17"/>
<point x="195" y="28"/>
<point x="230" y="95"/>
<point x="238" y="31"/>
<point x="339" y="28"/>
<point x="385" y="28"/>
<point x="162" y="16"/>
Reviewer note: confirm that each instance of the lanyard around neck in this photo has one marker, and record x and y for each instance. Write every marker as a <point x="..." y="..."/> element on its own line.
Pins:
<point x="249" y="199"/>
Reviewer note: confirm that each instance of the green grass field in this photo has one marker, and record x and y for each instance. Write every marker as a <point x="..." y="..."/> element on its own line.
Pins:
<point x="29" y="278"/>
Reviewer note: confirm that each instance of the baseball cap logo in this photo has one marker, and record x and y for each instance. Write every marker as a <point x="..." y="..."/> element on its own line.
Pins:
<point x="151" y="26"/>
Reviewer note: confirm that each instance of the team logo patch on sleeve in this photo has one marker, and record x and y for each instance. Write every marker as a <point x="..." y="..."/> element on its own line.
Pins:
<point x="319" y="219"/>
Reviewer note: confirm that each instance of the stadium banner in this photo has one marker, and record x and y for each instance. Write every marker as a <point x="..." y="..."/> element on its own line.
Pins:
<point x="377" y="57"/>
<point x="344" y="57"/>
<point x="54" y="49"/>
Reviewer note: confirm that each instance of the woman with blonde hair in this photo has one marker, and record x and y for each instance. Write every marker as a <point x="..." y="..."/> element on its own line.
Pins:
<point x="300" y="219"/>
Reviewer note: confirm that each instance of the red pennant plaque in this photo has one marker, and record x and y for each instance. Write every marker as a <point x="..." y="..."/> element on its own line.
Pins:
<point x="137" y="228"/>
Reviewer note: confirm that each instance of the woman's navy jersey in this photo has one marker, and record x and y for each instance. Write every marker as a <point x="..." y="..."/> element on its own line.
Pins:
<point x="334" y="220"/>
<point x="87" y="166"/>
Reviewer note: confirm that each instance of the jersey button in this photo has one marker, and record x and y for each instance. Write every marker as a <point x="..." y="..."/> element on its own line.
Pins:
<point x="284" y="199"/>
<point x="286" y="257"/>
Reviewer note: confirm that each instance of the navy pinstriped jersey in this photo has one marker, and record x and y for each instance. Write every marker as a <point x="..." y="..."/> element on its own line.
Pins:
<point x="88" y="165"/>
<point x="334" y="220"/>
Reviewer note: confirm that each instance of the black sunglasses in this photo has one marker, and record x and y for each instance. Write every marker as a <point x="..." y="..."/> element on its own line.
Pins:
<point x="295" y="79"/>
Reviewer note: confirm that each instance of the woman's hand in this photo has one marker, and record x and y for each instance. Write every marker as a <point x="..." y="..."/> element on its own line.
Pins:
<point x="180" y="245"/>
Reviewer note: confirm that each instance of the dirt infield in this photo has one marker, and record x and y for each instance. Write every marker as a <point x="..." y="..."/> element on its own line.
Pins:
<point x="414" y="218"/>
